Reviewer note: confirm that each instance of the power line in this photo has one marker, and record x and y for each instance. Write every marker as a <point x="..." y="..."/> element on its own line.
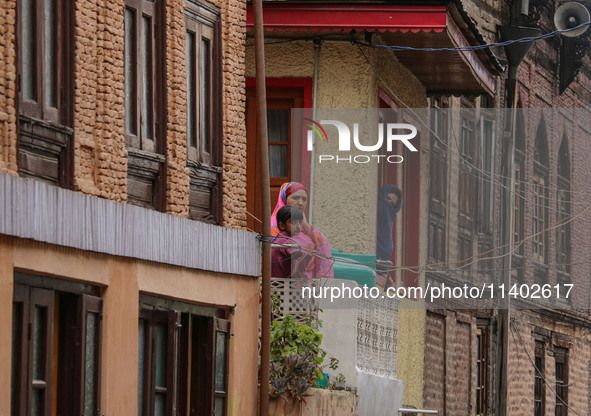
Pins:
<point x="514" y="328"/>
<point x="462" y="263"/>
<point x="526" y="39"/>
<point x="466" y="161"/>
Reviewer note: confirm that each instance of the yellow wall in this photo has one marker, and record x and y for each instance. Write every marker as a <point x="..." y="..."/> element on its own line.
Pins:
<point x="345" y="81"/>
<point x="121" y="281"/>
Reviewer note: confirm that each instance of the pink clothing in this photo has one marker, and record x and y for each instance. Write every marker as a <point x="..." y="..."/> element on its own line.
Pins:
<point x="281" y="257"/>
<point x="314" y="243"/>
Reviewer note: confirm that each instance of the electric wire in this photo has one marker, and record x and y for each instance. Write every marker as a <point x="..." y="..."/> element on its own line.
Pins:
<point x="454" y="151"/>
<point x="526" y="39"/>
<point x="462" y="263"/>
<point x="514" y="328"/>
<point x="428" y="267"/>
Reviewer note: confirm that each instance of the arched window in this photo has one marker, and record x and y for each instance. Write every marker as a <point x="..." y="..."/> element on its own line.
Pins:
<point x="519" y="176"/>
<point x="563" y="207"/>
<point x="520" y="194"/>
<point x="540" y="196"/>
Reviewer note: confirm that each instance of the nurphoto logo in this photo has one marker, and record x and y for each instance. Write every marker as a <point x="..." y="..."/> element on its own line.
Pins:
<point x="387" y="133"/>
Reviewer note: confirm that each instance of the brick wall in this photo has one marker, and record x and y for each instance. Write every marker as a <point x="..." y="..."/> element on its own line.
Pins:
<point x="449" y="376"/>
<point x="8" y="162"/>
<point x="234" y="176"/>
<point x="434" y="386"/>
<point x="177" y="184"/>
<point x="529" y="326"/>
<point x="100" y="161"/>
<point x="100" y="157"/>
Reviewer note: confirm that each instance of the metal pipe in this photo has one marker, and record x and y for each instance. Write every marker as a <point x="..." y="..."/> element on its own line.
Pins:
<point x="265" y="190"/>
<point x="317" y="44"/>
<point x="418" y="411"/>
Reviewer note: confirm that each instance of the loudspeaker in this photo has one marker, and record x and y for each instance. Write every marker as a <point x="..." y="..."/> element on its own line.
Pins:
<point x="570" y="15"/>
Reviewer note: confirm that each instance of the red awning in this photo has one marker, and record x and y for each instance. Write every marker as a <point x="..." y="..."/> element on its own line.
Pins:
<point x="286" y="17"/>
<point x="444" y="72"/>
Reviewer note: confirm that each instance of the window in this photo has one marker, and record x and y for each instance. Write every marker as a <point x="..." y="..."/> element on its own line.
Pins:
<point x="438" y="178"/>
<point x="563" y="208"/>
<point x="283" y="95"/>
<point x="45" y="90"/>
<point x="482" y="369"/>
<point x="518" y="206"/>
<point x="539" y="218"/>
<point x="204" y="112"/>
<point x="467" y="185"/>
<point x="183" y="357"/>
<point x="56" y="348"/>
<point x="486" y="188"/>
<point x="519" y="196"/>
<point x="464" y="250"/>
<point x="539" y="383"/>
<point x="561" y="364"/>
<point x="540" y="198"/>
<point x="145" y="108"/>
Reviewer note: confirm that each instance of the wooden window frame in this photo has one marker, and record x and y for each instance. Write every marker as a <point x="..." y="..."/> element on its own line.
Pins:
<point x="282" y="94"/>
<point x="191" y="356"/>
<point x="467" y="181"/>
<point x="204" y="156"/>
<point x="154" y="141"/>
<point x="438" y="168"/>
<point x="64" y="340"/>
<point x="563" y="254"/>
<point x="438" y="179"/>
<point x="153" y="318"/>
<point x="518" y="217"/>
<point x="539" y="376"/>
<point x="488" y="148"/>
<point x="437" y="242"/>
<point x="563" y="232"/>
<point x="561" y="359"/>
<point x="540" y="217"/>
<point x="482" y="364"/>
<point x="45" y="133"/>
<point x="518" y="202"/>
<point x="146" y="152"/>
<point x="465" y="249"/>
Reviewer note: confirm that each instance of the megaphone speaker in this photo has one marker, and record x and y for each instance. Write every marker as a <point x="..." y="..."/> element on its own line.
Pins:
<point x="569" y="15"/>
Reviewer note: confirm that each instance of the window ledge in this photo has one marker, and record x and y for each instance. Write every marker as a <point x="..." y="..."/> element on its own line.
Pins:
<point x="198" y="166"/>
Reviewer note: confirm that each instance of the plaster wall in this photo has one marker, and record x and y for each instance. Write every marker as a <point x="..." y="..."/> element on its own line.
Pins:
<point x="121" y="281"/>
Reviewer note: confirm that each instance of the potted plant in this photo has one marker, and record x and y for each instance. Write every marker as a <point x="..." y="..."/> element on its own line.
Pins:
<point x="296" y="364"/>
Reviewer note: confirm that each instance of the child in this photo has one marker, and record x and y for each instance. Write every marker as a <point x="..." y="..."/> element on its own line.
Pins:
<point x="289" y="222"/>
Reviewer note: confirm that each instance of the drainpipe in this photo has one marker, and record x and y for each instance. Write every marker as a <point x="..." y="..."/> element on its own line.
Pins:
<point x="317" y="44"/>
<point x="265" y="191"/>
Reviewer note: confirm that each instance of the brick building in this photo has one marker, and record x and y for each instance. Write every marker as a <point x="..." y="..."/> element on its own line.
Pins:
<point x="123" y="266"/>
<point x="549" y="344"/>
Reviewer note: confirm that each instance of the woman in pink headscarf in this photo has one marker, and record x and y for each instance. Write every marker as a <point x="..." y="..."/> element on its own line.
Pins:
<point x="295" y="194"/>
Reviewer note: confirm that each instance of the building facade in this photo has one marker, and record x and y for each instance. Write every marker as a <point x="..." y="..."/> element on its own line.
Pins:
<point x="547" y="349"/>
<point x="128" y="283"/>
<point x="329" y="58"/>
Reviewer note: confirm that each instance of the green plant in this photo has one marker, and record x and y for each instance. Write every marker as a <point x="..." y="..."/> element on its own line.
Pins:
<point x="296" y="358"/>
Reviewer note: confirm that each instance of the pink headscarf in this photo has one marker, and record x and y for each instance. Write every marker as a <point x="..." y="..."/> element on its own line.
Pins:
<point x="286" y="190"/>
<point x="321" y="266"/>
